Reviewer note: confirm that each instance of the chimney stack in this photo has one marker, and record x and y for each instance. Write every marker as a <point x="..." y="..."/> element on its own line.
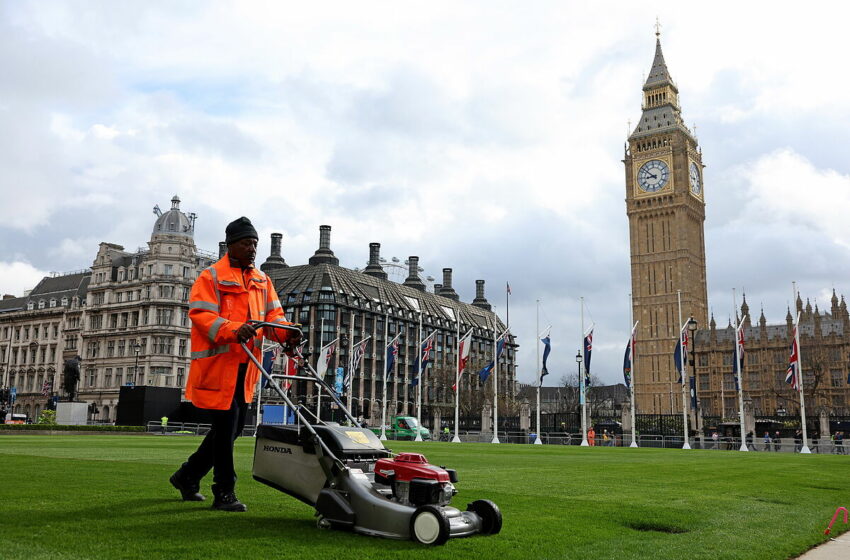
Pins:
<point x="374" y="267"/>
<point x="447" y="290"/>
<point x="323" y="254"/>
<point x="222" y="249"/>
<point x="275" y="260"/>
<point x="480" y="300"/>
<point x="413" y="279"/>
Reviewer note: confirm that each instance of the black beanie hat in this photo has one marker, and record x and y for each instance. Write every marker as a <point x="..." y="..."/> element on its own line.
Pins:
<point x="239" y="228"/>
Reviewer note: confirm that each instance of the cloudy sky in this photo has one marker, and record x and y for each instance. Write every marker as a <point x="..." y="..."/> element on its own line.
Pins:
<point x="482" y="136"/>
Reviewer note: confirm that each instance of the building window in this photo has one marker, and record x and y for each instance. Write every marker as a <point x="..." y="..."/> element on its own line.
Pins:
<point x="52" y="302"/>
<point x="121" y="347"/>
<point x="64" y="302"/>
<point x="182" y="347"/>
<point x="169" y="270"/>
<point x="91" y="373"/>
<point x="107" y="377"/>
<point x="92" y="349"/>
<point x="41" y="304"/>
<point x="30" y="306"/>
<point x="163" y="316"/>
<point x="180" y="374"/>
<point x="110" y="349"/>
<point x="119" y="375"/>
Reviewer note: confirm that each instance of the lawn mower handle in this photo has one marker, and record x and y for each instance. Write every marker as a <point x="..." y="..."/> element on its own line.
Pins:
<point x="316" y="378"/>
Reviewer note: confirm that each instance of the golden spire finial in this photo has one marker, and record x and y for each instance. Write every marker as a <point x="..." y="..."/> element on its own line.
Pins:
<point x="657" y="27"/>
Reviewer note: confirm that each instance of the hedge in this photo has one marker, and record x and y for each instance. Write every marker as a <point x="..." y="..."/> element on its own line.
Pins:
<point x="61" y="428"/>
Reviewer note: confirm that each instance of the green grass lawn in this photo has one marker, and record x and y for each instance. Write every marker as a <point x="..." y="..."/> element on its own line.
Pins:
<point x="81" y="496"/>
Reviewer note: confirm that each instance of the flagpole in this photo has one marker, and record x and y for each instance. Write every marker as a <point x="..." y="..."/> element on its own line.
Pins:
<point x="456" y="439"/>
<point x="319" y="395"/>
<point x="684" y="374"/>
<point x="350" y="364"/>
<point x="634" y="363"/>
<point x="384" y="378"/>
<point x="496" y="379"/>
<point x="581" y="383"/>
<point x="537" y="441"/>
<point x="805" y="448"/>
<point x="738" y="368"/>
<point x="419" y="384"/>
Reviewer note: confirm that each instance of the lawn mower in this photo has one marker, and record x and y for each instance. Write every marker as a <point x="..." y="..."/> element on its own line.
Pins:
<point x="354" y="482"/>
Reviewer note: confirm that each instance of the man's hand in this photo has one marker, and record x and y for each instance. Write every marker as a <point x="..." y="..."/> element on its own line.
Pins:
<point x="245" y="333"/>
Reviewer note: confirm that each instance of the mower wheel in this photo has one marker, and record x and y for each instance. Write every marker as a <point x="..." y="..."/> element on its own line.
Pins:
<point x="323" y="523"/>
<point x="491" y="516"/>
<point x="429" y="525"/>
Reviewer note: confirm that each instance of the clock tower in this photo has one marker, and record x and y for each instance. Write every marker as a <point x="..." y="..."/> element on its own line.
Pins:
<point x="665" y="204"/>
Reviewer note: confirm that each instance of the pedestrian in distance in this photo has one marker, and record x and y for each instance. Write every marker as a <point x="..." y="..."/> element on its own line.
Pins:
<point x="224" y="298"/>
<point x="715" y="437"/>
<point x="591" y="437"/>
<point x="767" y="441"/>
<point x="777" y="441"/>
<point x="749" y="441"/>
<point x="839" y="443"/>
<point x="798" y="441"/>
<point x="164" y="422"/>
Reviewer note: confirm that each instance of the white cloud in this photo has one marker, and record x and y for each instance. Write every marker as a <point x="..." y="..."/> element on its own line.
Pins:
<point x="787" y="191"/>
<point x="19" y="276"/>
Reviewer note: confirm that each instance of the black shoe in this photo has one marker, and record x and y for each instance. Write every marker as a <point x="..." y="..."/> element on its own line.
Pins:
<point x="188" y="489"/>
<point x="227" y="501"/>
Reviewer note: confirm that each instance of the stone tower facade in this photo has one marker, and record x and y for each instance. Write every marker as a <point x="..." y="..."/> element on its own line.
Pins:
<point x="665" y="204"/>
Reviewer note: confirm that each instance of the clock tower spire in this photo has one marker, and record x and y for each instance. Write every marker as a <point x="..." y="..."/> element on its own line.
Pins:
<point x="665" y="206"/>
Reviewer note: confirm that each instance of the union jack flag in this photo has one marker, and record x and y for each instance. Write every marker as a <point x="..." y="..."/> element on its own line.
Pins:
<point x="392" y="352"/>
<point x="356" y="357"/>
<point x="423" y="358"/>
<point x="792" y="377"/>
<point x="46" y="388"/>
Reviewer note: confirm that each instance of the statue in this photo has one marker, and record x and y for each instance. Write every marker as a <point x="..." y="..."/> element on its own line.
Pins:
<point x="71" y="370"/>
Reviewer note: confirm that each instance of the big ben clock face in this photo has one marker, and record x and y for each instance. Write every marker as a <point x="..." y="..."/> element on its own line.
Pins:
<point x="696" y="182"/>
<point x="653" y="176"/>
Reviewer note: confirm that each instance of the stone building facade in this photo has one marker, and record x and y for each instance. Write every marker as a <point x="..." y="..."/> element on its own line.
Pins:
<point x="824" y="351"/>
<point x="331" y="301"/>
<point x="126" y="318"/>
<point x="37" y="333"/>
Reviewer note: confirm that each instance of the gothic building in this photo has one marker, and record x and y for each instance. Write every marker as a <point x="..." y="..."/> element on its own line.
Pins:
<point x="332" y="302"/>
<point x="824" y="352"/>
<point x="665" y="204"/>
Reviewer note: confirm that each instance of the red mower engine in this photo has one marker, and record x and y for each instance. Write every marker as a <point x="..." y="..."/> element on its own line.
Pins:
<point x="414" y="481"/>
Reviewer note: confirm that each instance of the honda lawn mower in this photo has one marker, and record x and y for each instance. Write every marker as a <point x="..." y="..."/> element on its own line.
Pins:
<point x="357" y="484"/>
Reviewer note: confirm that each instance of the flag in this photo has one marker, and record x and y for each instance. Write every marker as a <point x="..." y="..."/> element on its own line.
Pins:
<point x="423" y="358"/>
<point x="45" y="389"/>
<point x="463" y="356"/>
<point x="324" y="359"/>
<point x="679" y="356"/>
<point x="547" y="348"/>
<point x="508" y="288"/>
<point x="588" y="346"/>
<point x="627" y="359"/>
<point x="693" y="384"/>
<point x="356" y="357"/>
<point x="392" y="352"/>
<point x="488" y="369"/>
<point x="793" y="373"/>
<point x="740" y="352"/>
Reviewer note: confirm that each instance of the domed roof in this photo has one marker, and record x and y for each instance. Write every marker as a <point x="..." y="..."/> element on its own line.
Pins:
<point x="173" y="222"/>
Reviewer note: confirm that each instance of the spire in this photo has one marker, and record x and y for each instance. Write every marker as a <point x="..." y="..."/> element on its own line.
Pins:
<point x="808" y="308"/>
<point x="835" y="308"/>
<point x="788" y="318"/>
<point x="843" y="309"/>
<point x="712" y="323"/>
<point x="658" y="74"/>
<point x="745" y="312"/>
<point x="762" y="319"/>
<point x="799" y="303"/>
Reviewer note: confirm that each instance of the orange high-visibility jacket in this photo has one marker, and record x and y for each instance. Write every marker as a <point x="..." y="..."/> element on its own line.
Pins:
<point x="221" y="301"/>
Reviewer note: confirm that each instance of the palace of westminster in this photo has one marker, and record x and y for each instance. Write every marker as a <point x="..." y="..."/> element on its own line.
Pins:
<point x="127" y="316"/>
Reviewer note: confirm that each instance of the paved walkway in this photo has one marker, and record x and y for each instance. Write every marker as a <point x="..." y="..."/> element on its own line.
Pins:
<point x="834" y="549"/>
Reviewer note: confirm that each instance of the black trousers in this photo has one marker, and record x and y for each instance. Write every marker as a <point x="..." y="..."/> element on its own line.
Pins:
<point x="216" y="451"/>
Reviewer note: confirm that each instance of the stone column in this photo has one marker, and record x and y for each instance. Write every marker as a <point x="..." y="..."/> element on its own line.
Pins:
<point x="525" y="416"/>
<point x="487" y="420"/>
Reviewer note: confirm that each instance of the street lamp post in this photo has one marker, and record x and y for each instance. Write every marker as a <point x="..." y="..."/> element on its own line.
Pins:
<point x="581" y="400"/>
<point x="137" y="348"/>
<point x="692" y="331"/>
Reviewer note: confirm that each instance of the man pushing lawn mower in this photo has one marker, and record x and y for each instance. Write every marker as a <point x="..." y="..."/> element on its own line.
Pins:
<point x="224" y="298"/>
